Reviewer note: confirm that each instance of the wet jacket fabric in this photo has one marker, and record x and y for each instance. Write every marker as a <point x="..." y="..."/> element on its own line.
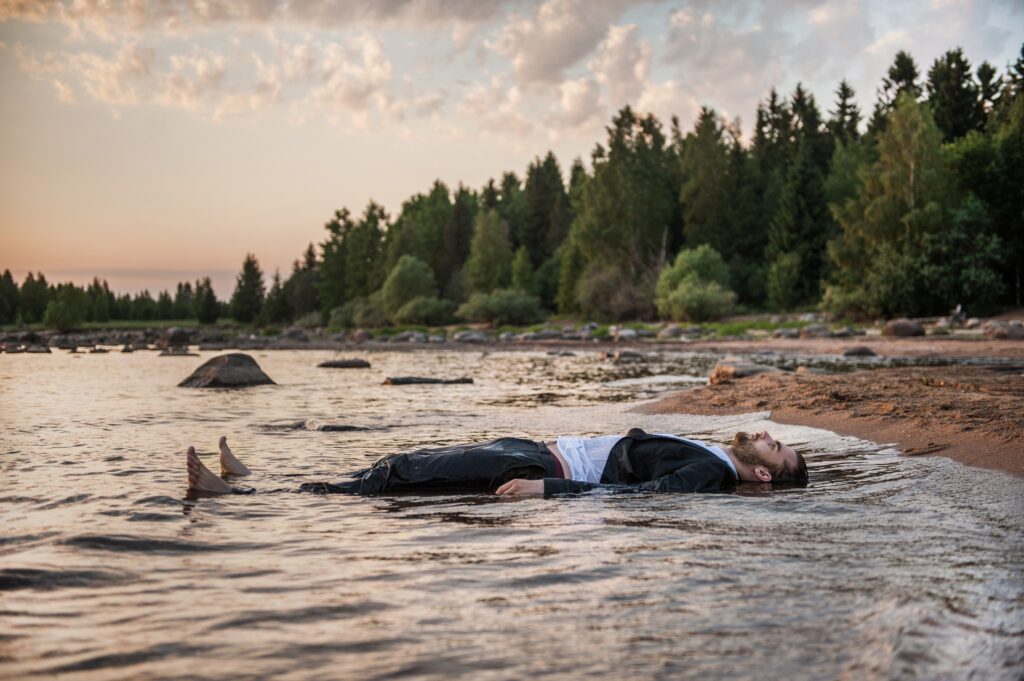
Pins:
<point x="640" y="462"/>
<point x="480" y="467"/>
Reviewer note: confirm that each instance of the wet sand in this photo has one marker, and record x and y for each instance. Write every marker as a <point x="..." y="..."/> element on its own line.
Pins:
<point x="972" y="414"/>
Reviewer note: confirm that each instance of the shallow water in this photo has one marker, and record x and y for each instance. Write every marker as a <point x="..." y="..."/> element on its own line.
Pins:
<point x="884" y="567"/>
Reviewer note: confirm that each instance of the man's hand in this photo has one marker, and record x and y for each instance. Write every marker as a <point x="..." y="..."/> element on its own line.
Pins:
<point x="521" y="486"/>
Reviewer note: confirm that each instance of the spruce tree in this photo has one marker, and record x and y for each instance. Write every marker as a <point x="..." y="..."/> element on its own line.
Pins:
<point x="276" y="309"/>
<point x="207" y="308"/>
<point x="706" y="194"/>
<point x="845" y="118"/>
<point x="901" y="78"/>
<point x="458" y="234"/>
<point x="522" y="271"/>
<point x="989" y="85"/>
<point x="184" y="301"/>
<point x="489" y="265"/>
<point x="8" y="298"/>
<point x="333" y="280"/>
<point x="35" y="295"/>
<point x="164" y="306"/>
<point x="954" y="96"/>
<point x="247" y="299"/>
<point x="798" y="235"/>
<point x="363" y="252"/>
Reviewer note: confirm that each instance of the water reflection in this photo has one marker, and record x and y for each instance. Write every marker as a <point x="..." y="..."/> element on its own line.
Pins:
<point x="883" y="568"/>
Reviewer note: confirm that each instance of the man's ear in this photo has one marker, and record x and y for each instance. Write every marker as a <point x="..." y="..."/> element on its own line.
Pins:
<point x="762" y="474"/>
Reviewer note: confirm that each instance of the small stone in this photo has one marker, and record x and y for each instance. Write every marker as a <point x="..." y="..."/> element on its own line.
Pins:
<point x="671" y="331"/>
<point x="859" y="351"/>
<point x="471" y="337"/>
<point x="815" y="331"/>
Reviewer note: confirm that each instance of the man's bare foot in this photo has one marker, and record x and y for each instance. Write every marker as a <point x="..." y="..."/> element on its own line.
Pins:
<point x="202" y="478"/>
<point x="229" y="465"/>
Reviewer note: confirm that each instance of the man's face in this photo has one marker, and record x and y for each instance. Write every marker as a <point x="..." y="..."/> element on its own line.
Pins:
<point x="761" y="449"/>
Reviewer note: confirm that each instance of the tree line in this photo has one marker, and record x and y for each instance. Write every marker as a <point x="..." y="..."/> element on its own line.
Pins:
<point x="907" y="211"/>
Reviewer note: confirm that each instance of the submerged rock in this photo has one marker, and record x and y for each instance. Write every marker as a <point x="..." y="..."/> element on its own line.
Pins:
<point x="731" y="368"/>
<point x="902" y="328"/>
<point x="352" y="363"/>
<point x="310" y="424"/>
<point x="235" y="370"/>
<point x="420" y="380"/>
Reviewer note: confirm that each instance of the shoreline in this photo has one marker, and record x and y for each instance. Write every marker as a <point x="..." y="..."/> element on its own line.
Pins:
<point x="972" y="414"/>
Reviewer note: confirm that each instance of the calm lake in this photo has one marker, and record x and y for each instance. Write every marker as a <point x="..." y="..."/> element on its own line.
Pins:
<point x="883" y="568"/>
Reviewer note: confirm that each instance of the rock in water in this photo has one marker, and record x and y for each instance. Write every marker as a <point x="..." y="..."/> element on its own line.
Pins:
<point x="902" y="328"/>
<point x="354" y="363"/>
<point x="235" y="370"/>
<point x="419" y="380"/>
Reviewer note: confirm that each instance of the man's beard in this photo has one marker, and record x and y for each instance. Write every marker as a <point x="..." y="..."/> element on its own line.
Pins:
<point x="743" y="449"/>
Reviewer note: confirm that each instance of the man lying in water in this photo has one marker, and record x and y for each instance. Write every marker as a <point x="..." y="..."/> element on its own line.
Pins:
<point x="638" y="462"/>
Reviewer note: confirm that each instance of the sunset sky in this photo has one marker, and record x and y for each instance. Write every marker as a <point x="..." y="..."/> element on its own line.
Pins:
<point x="149" y="142"/>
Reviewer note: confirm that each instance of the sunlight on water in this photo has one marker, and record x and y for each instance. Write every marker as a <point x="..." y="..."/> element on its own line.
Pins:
<point x="884" y="567"/>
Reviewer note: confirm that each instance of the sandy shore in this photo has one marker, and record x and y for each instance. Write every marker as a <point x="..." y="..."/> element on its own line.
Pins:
<point x="972" y="414"/>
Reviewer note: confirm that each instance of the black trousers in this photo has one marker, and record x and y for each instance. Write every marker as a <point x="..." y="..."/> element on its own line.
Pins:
<point x="476" y="467"/>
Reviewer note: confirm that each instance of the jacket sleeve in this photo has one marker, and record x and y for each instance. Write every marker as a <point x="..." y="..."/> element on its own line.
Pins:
<point x="698" y="476"/>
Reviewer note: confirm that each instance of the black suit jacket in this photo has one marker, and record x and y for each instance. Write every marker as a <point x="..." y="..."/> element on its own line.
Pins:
<point x="651" y="463"/>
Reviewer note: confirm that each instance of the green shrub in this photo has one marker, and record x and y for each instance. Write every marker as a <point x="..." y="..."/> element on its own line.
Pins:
<point x="502" y="306"/>
<point x="309" y="320"/>
<point x="371" y="313"/>
<point x="426" y="311"/>
<point x="610" y="294"/>
<point x="695" y="287"/>
<point x="784" y="281"/>
<point x="698" y="301"/>
<point x="62" y="316"/>
<point x="410" y="278"/>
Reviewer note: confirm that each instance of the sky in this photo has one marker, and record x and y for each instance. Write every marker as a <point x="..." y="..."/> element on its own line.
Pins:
<point x="154" y="141"/>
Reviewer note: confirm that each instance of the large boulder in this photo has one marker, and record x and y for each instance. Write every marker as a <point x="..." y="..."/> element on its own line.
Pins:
<point x="902" y="328"/>
<point x="235" y="370"/>
<point x="731" y="368"/>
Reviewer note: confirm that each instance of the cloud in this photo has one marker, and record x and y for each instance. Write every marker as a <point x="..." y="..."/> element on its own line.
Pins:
<point x="557" y="35"/>
<point x="735" y="66"/>
<point x="108" y="79"/>
<point x="353" y="76"/>
<point x="579" y="104"/>
<point x="192" y="78"/>
<point x="109" y="18"/>
<point x="64" y="92"/>
<point x="621" y="65"/>
<point x="494" y="108"/>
